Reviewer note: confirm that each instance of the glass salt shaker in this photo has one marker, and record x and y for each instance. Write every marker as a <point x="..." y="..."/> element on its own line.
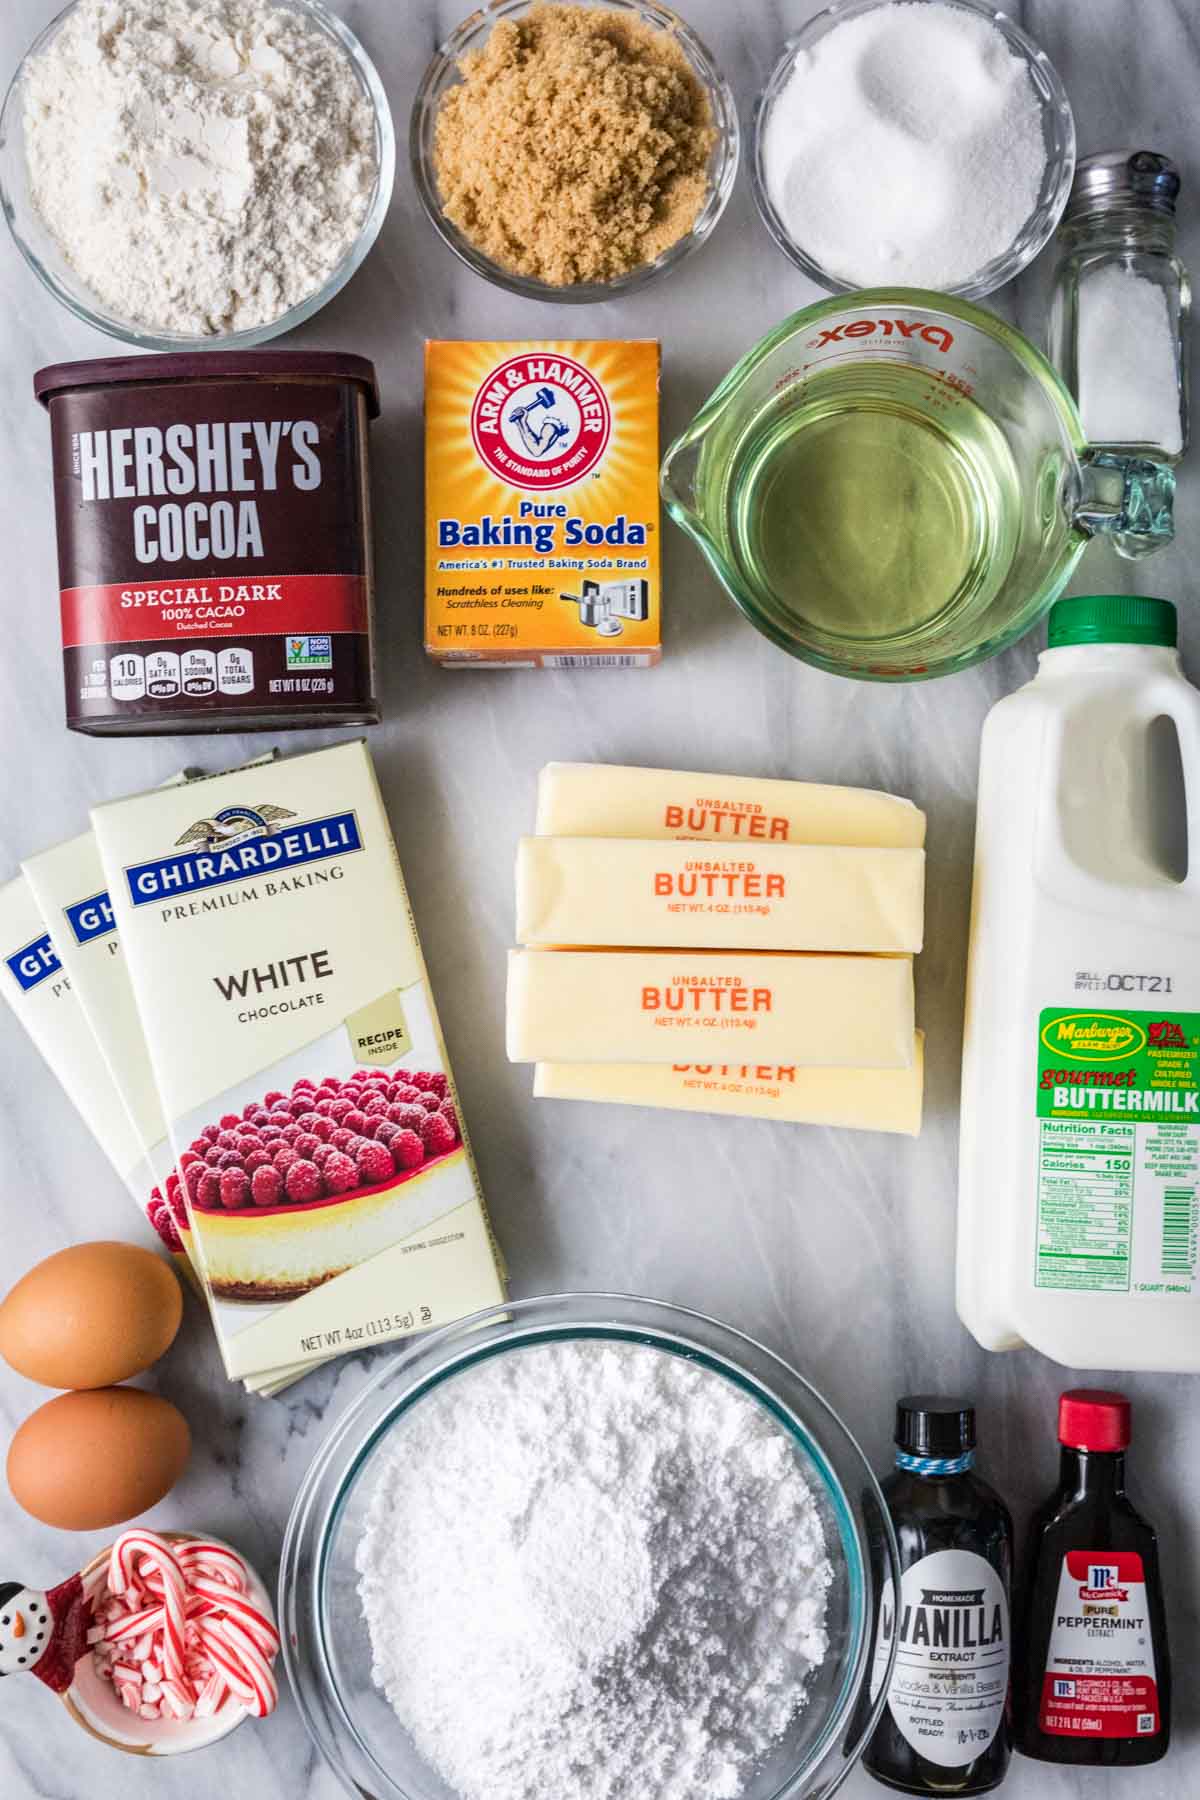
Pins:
<point x="1120" y="305"/>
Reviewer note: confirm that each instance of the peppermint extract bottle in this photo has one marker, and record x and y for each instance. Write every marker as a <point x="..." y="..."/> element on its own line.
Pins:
<point x="945" y="1728"/>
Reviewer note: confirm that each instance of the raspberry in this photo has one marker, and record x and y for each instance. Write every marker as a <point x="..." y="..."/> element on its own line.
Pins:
<point x="193" y="1153"/>
<point x="195" y="1175"/>
<point x="332" y="1084"/>
<point x="266" y="1187"/>
<point x="273" y="1098"/>
<point x="339" y="1173"/>
<point x="451" y="1118"/>
<point x="437" y="1134"/>
<point x="227" y="1139"/>
<point x="303" y="1182"/>
<point x="408" y="1152"/>
<point x="172" y="1186"/>
<point x="256" y="1159"/>
<point x="405" y="1114"/>
<point x="323" y="1129"/>
<point x="305" y="1144"/>
<point x="160" y="1217"/>
<point x="430" y="1101"/>
<point x="322" y="1154"/>
<point x="229" y="1120"/>
<point x="355" y="1121"/>
<point x="406" y="1094"/>
<point x="374" y="1163"/>
<point x="235" y="1189"/>
<point x="308" y="1120"/>
<point x="419" y="1079"/>
<point x="248" y="1140"/>
<point x="213" y="1155"/>
<point x="305" y="1081"/>
<point x="231" y="1159"/>
<point x="209" y="1191"/>
<point x="377" y="1103"/>
<point x="290" y="1133"/>
<point x="284" y="1157"/>
<point x="260" y="1116"/>
<point x="385" y="1131"/>
<point x="324" y="1107"/>
<point x="178" y="1205"/>
<point x="279" y="1117"/>
<point x="341" y="1138"/>
<point x="211" y="1132"/>
<point x="438" y="1084"/>
<point x="339" y="1109"/>
<point x="249" y="1110"/>
<point x="299" y="1107"/>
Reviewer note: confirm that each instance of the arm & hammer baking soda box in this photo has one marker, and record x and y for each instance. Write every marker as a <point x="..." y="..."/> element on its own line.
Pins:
<point x="332" y="1193"/>
<point x="541" y="504"/>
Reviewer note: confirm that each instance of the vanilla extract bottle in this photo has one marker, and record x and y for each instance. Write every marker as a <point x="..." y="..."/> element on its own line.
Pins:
<point x="946" y="1726"/>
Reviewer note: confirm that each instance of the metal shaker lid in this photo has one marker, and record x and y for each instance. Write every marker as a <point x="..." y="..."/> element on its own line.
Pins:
<point x="1124" y="178"/>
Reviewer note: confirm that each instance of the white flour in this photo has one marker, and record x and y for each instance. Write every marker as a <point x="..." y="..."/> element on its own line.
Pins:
<point x="203" y="164"/>
<point x="593" y="1572"/>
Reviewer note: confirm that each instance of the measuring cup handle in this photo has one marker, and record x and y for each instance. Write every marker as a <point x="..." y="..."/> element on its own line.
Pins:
<point x="1128" y="499"/>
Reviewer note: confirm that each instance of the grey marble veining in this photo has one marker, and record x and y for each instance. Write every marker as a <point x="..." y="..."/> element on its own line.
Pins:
<point x="836" y="1249"/>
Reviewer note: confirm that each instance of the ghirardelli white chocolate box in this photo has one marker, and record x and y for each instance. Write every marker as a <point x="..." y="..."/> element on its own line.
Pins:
<point x="332" y="1194"/>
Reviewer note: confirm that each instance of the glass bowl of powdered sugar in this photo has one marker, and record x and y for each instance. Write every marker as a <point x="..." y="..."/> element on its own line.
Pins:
<point x="589" y="1547"/>
<point x="912" y="143"/>
<point x="191" y="177"/>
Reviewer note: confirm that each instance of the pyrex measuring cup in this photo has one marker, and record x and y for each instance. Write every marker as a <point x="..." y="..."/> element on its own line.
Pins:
<point x="895" y="484"/>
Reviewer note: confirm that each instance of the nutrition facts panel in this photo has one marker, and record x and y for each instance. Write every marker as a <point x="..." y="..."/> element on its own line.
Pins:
<point x="1085" y="1205"/>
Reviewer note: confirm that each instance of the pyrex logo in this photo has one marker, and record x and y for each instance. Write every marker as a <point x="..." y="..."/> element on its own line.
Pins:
<point x="91" y="918"/>
<point x="937" y="335"/>
<point x="34" y="963"/>
<point x="540" y="421"/>
<point x="243" y="859"/>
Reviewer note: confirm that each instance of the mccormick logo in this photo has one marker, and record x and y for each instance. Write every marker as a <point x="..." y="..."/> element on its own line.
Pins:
<point x="91" y="918"/>
<point x="34" y="963"/>
<point x="237" y="845"/>
<point x="1103" y="1584"/>
<point x="1093" y="1036"/>
<point x="540" y="421"/>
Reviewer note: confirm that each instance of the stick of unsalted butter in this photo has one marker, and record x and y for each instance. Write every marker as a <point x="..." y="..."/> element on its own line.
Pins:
<point x="610" y="800"/>
<point x="857" y="1099"/>
<point x="852" y="1012"/>
<point x="631" y="891"/>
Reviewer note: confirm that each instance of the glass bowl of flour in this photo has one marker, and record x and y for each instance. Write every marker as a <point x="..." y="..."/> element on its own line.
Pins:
<point x="192" y="178"/>
<point x="594" y="1547"/>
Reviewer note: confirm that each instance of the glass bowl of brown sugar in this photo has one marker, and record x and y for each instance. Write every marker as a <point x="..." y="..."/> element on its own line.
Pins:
<point x="573" y="152"/>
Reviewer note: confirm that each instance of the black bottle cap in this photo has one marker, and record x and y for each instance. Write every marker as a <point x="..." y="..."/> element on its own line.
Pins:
<point x="935" y="1425"/>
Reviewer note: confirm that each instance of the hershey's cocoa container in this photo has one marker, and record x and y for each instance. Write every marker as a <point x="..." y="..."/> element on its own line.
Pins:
<point x="214" y="540"/>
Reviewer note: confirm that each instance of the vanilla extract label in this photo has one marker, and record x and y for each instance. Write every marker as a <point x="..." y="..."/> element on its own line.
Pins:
<point x="950" y="1678"/>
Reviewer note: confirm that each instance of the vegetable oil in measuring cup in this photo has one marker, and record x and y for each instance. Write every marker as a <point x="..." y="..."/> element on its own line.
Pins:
<point x="871" y="501"/>
<point x="1079" y="1170"/>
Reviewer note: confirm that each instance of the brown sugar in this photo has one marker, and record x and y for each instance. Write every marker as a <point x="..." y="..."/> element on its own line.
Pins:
<point x="576" y="146"/>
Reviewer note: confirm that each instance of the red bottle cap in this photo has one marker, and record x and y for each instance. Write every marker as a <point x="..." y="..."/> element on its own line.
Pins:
<point x="1094" y="1419"/>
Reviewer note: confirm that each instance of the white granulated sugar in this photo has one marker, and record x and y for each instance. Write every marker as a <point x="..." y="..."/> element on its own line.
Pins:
<point x="204" y="165"/>
<point x="1128" y="361"/>
<point x="593" y="1571"/>
<point x="906" y="147"/>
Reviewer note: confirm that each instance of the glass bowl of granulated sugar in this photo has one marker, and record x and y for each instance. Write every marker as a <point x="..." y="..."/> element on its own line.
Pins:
<point x="912" y="143"/>
<point x="589" y="1547"/>
<point x="187" y="177"/>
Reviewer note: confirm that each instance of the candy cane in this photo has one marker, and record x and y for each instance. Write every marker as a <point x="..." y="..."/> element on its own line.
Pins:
<point x="237" y="1606"/>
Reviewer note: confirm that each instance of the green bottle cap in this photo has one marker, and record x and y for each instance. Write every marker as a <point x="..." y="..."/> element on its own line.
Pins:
<point x="1112" y="619"/>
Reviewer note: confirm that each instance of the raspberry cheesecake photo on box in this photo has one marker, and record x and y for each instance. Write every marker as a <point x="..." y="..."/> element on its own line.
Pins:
<point x="301" y="1185"/>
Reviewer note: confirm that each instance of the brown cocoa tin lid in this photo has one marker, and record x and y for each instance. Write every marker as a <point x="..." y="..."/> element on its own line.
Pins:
<point x="209" y="365"/>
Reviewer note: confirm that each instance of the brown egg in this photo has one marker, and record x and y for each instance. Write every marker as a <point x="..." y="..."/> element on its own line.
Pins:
<point x="86" y="1461"/>
<point x="91" y="1316"/>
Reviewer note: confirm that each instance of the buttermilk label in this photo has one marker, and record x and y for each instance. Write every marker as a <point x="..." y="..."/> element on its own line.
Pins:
<point x="1100" y="1679"/>
<point x="950" y="1679"/>
<point x="1118" y="1109"/>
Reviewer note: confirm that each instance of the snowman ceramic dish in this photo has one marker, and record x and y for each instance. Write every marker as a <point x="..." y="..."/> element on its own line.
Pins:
<point x="160" y="1645"/>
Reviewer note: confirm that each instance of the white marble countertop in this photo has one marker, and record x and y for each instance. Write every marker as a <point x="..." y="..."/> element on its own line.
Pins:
<point x="835" y="1249"/>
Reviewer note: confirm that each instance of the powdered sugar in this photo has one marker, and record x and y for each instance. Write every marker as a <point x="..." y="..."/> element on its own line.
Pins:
<point x="204" y="165"/>
<point x="593" y="1571"/>
<point x="906" y="146"/>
